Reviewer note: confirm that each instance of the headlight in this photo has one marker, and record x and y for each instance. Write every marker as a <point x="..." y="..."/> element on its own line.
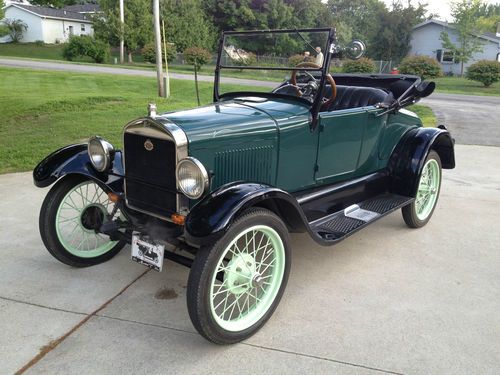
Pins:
<point x="101" y="153"/>
<point x="192" y="177"/>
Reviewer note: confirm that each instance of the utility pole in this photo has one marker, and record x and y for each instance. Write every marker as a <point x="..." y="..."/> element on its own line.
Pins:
<point x="159" y="69"/>
<point x="166" y="80"/>
<point x="122" y="26"/>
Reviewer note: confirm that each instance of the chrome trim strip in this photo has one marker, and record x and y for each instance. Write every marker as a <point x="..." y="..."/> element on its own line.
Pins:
<point x="160" y="127"/>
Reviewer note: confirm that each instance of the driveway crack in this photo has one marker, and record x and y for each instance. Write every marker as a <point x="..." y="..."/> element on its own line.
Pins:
<point x="54" y="343"/>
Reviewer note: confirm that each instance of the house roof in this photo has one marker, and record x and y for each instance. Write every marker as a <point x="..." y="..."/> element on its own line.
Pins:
<point x="46" y="12"/>
<point x="83" y="8"/>
<point x="487" y="36"/>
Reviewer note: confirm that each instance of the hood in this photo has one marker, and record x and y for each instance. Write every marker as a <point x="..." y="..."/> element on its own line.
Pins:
<point x="239" y="120"/>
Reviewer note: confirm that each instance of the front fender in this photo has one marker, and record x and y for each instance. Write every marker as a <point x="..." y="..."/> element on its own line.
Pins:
<point x="74" y="159"/>
<point x="407" y="161"/>
<point x="210" y="218"/>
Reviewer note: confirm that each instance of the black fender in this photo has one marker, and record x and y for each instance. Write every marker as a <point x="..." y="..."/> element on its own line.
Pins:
<point x="407" y="160"/>
<point x="74" y="159"/>
<point x="209" y="219"/>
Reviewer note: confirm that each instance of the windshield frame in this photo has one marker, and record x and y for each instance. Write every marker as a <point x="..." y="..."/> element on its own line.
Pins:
<point x="329" y="49"/>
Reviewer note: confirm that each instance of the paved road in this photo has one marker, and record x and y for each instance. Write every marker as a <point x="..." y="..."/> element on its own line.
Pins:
<point x="471" y="119"/>
<point x="386" y="300"/>
<point x="82" y="68"/>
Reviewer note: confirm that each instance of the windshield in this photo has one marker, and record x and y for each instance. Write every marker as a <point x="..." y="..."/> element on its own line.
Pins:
<point x="276" y="61"/>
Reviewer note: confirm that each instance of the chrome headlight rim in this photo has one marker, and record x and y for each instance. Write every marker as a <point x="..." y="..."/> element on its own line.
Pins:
<point x="107" y="149"/>
<point x="203" y="172"/>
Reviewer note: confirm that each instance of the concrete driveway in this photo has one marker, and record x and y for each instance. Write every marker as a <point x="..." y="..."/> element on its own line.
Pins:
<point x="388" y="299"/>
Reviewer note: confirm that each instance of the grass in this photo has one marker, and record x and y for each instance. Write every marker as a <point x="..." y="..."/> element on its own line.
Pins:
<point x="454" y="85"/>
<point x="425" y="113"/>
<point x="44" y="110"/>
<point x="457" y="85"/>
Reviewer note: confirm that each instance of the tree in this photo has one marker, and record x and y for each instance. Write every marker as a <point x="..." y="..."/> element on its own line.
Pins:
<point x="197" y="57"/>
<point x="3" y="29"/>
<point x="138" y="28"/>
<point x="187" y="25"/>
<point x="466" y="24"/>
<point x="361" y="17"/>
<point x="15" y="29"/>
<point x="54" y="3"/>
<point x="392" y="40"/>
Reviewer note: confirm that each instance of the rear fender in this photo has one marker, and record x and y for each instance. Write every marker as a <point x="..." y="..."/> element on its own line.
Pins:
<point x="211" y="217"/>
<point x="74" y="159"/>
<point x="407" y="160"/>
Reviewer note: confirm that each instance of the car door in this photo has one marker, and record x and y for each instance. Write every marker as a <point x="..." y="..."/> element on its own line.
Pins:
<point x="340" y="142"/>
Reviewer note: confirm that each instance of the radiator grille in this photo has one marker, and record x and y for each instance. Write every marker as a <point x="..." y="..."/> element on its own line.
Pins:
<point x="249" y="164"/>
<point x="150" y="175"/>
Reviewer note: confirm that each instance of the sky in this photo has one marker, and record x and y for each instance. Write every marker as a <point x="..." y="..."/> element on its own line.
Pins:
<point x="441" y="7"/>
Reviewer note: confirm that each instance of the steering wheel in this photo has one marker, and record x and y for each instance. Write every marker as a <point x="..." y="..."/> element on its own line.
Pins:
<point x="306" y="64"/>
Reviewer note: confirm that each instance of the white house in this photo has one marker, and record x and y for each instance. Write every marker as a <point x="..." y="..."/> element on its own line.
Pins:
<point x="425" y="40"/>
<point x="49" y="25"/>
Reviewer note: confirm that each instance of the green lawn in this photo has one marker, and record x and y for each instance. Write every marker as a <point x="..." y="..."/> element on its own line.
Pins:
<point x="457" y="85"/>
<point x="42" y="110"/>
<point x="45" y="110"/>
<point x="425" y="113"/>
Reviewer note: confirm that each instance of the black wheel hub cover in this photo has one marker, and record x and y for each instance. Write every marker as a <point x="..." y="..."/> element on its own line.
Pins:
<point x="92" y="217"/>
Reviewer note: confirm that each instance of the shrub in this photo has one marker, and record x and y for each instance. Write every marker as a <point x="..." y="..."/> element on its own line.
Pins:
<point x="85" y="45"/>
<point x="362" y="65"/>
<point x="197" y="56"/>
<point x="39" y="43"/>
<point x="15" y="28"/>
<point x="248" y="59"/>
<point x="484" y="71"/>
<point x="423" y="66"/>
<point x="294" y="60"/>
<point x="149" y="53"/>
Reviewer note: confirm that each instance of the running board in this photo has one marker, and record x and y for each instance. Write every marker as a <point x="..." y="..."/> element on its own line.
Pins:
<point x="337" y="226"/>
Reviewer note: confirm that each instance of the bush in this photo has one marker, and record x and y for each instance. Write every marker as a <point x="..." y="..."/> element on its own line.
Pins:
<point x="484" y="71"/>
<point x="197" y="56"/>
<point x="423" y="66"/>
<point x="149" y="53"/>
<point x="15" y="28"/>
<point x="362" y="65"/>
<point x="294" y="60"/>
<point x="85" y="45"/>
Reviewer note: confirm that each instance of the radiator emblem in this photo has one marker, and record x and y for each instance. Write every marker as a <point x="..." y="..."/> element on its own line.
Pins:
<point x="148" y="145"/>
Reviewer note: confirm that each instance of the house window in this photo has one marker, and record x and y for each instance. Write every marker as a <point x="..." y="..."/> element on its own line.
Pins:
<point x="82" y="27"/>
<point x="445" y="56"/>
<point x="498" y="57"/>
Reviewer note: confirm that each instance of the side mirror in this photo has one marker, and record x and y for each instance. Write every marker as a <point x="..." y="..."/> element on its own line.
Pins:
<point x="356" y="49"/>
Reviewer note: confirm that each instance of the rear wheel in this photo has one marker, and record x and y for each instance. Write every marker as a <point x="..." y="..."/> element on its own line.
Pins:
<point x="236" y="284"/>
<point x="418" y="213"/>
<point x="70" y="215"/>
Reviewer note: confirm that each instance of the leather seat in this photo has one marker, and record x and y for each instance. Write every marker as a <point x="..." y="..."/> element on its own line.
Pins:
<point x="355" y="96"/>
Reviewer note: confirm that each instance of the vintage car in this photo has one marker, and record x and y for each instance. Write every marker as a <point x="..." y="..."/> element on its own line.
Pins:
<point x="219" y="188"/>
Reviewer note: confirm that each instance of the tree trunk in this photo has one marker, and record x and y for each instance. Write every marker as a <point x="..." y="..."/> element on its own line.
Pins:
<point x="461" y="68"/>
<point x="130" y="61"/>
<point x="196" y="84"/>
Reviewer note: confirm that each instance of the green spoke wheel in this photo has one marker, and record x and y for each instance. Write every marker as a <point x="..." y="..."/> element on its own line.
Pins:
<point x="235" y="285"/>
<point x="420" y="211"/>
<point x="71" y="214"/>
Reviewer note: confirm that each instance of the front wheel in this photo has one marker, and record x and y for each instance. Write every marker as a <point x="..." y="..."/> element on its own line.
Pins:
<point x="236" y="284"/>
<point x="418" y="213"/>
<point x="71" y="213"/>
